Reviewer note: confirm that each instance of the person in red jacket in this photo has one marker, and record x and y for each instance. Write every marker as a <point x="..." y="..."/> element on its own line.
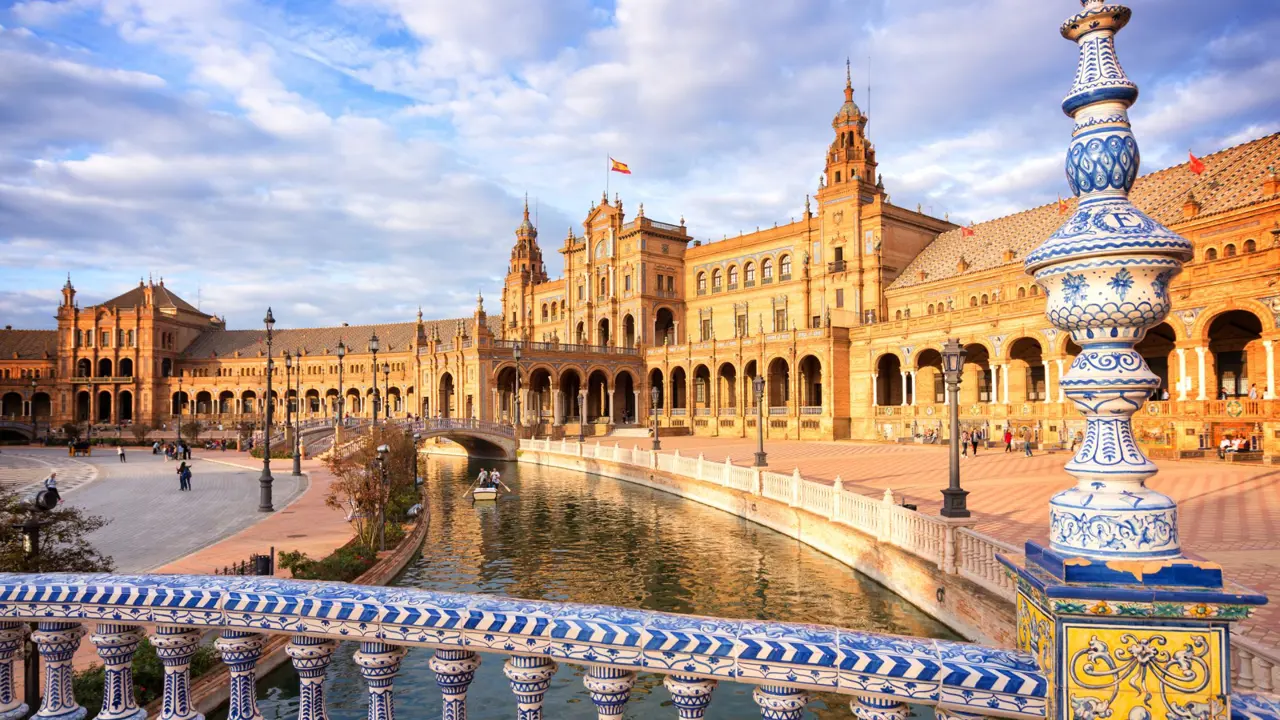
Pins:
<point x="1008" y="440"/>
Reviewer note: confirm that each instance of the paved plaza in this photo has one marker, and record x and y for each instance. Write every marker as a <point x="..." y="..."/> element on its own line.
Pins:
<point x="152" y="522"/>
<point x="1230" y="513"/>
<point x="24" y="470"/>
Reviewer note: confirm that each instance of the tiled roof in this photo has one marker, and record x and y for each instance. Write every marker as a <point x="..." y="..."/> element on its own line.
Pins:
<point x="163" y="297"/>
<point x="1233" y="179"/>
<point x="392" y="337"/>
<point x="28" y="344"/>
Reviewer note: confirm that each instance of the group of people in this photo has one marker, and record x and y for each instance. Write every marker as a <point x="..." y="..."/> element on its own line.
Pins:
<point x="970" y="439"/>
<point x="488" y="479"/>
<point x="172" y="451"/>
<point x="1233" y="445"/>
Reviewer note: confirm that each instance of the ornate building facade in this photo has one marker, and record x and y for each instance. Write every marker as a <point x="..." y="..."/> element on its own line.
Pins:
<point x="842" y="311"/>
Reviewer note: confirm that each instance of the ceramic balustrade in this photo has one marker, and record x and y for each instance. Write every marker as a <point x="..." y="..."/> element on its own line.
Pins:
<point x="784" y="661"/>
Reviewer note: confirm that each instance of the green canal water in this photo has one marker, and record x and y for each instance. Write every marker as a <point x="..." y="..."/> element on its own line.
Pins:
<point x="567" y="536"/>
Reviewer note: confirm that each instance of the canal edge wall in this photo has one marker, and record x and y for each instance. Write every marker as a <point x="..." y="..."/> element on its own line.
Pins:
<point x="211" y="690"/>
<point x="971" y="610"/>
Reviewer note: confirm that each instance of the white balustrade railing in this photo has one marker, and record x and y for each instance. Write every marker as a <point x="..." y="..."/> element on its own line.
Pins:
<point x="881" y="674"/>
<point x="976" y="561"/>
<point x="776" y="486"/>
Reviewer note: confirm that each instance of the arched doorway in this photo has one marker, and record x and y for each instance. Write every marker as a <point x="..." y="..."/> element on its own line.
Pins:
<point x="41" y="406"/>
<point x="602" y="332"/>
<point x="248" y="402"/>
<point x="623" y="404"/>
<point x="311" y="401"/>
<point x="629" y="331"/>
<point x="104" y="406"/>
<point x="597" y="396"/>
<point x="126" y="367"/>
<point x="888" y="380"/>
<point x="975" y="376"/>
<point x="679" y="391"/>
<point x="166" y="367"/>
<point x="779" y="380"/>
<point x="444" y="398"/>
<point x="1156" y="349"/>
<point x="84" y="407"/>
<point x="570" y="387"/>
<point x="331" y="402"/>
<point x="655" y="381"/>
<point x="810" y="382"/>
<point x="11" y="405"/>
<point x="84" y="367"/>
<point x="702" y="390"/>
<point x="226" y="402"/>
<point x="124" y="406"/>
<point x="1236" y="356"/>
<point x="749" y="373"/>
<point x="179" y="403"/>
<point x="580" y="334"/>
<point x="352" y="403"/>
<point x="664" y="327"/>
<point x="393" y="401"/>
<point x="104" y="367"/>
<point x="727" y="387"/>
<point x="506" y="385"/>
<point x="1026" y="372"/>
<point x="204" y="402"/>
<point x="929" y="385"/>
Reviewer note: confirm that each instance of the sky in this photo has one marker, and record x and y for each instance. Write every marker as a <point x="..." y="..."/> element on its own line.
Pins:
<point x="352" y="160"/>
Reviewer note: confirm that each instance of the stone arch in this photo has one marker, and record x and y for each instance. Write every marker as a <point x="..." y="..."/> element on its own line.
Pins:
<point x="810" y="381"/>
<point x="602" y="332"/>
<point x="701" y="387"/>
<point x="779" y="382"/>
<point x="446" y="391"/>
<point x="622" y="403"/>
<point x="664" y="326"/>
<point x="750" y="369"/>
<point x="727" y="386"/>
<point x="126" y="367"/>
<point x="226" y="402"/>
<point x="104" y="367"/>
<point x="541" y="401"/>
<point x="1200" y="330"/>
<point x="124" y="406"/>
<point x="888" y="379"/>
<point x="1026" y="368"/>
<point x="679" y="388"/>
<point x="104" y="406"/>
<point x="311" y="401"/>
<point x="1236" y="361"/>
<point x="204" y="402"/>
<point x="84" y="367"/>
<point x="597" y="395"/>
<point x="975" y="376"/>
<point x="655" y="379"/>
<point x="928" y="362"/>
<point x="628" y="331"/>
<point x="572" y="380"/>
<point x="84" y="406"/>
<point x="11" y="405"/>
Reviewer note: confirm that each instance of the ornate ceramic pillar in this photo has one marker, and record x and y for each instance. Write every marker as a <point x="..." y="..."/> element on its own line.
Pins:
<point x="11" y="705"/>
<point x="870" y="707"/>
<point x="690" y="695"/>
<point x="1123" y="625"/>
<point x="454" y="669"/>
<point x="311" y="657"/>
<point x="240" y="651"/>
<point x="610" y="690"/>
<point x="57" y="643"/>
<point x="379" y="664"/>
<point x="116" y="646"/>
<point x="175" y="647"/>
<point x="779" y="703"/>
<point x="1182" y="373"/>
<point x="530" y="676"/>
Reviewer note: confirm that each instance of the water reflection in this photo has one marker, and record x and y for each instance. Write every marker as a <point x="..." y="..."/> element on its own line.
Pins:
<point x="575" y="537"/>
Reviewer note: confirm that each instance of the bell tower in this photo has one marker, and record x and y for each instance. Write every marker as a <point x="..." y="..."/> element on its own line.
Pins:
<point x="850" y="156"/>
<point x="525" y="270"/>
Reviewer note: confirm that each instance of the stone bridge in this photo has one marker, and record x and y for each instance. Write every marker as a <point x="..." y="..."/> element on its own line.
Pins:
<point x="480" y="438"/>
<point x="12" y="428"/>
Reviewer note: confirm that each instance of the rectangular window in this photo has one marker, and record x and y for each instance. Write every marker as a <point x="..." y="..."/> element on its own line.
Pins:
<point x="671" y="283"/>
<point x="706" y="330"/>
<point x="119" y="338"/>
<point x="88" y="338"/>
<point x="626" y="283"/>
<point x="939" y="389"/>
<point x="106" y="338"/>
<point x="839" y="253"/>
<point x="133" y="339"/>
<point x="741" y="324"/>
<point x="839" y="296"/>
<point x="817" y="252"/>
<point x="779" y="320"/>
<point x="816" y="320"/>
<point x="582" y="292"/>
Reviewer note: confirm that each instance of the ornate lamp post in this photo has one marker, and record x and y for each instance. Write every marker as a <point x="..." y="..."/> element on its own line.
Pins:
<point x="757" y="384"/>
<point x="373" y="348"/>
<point x="179" y="401"/>
<point x="654" y="396"/>
<point x="265" y="480"/>
<point x="380" y="465"/>
<point x="35" y="424"/>
<point x="288" y="386"/>
<point x="386" y="390"/>
<point x="337" y="425"/>
<point x="582" y="415"/>
<point x="953" y="498"/>
<point x="297" y="419"/>
<point x="515" y="425"/>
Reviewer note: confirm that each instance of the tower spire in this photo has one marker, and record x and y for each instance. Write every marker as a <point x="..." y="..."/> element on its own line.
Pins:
<point x="848" y="80"/>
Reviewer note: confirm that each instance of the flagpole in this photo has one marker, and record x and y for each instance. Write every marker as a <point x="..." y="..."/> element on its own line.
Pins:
<point x="607" y="168"/>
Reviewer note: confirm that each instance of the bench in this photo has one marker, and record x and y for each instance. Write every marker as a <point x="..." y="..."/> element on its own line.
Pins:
<point x="1251" y="456"/>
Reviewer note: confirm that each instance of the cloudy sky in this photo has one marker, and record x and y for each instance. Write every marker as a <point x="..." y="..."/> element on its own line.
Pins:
<point x="350" y="160"/>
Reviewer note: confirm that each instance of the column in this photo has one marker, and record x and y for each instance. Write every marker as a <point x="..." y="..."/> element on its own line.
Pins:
<point x="690" y="695"/>
<point x="379" y="663"/>
<point x="175" y="647"/>
<point x="57" y="643"/>
<point x="1048" y="383"/>
<point x="1004" y="384"/>
<point x="608" y="403"/>
<point x="1200" y="351"/>
<point x="636" y="393"/>
<point x="454" y="669"/>
<point x="875" y="389"/>
<point x="869" y="707"/>
<point x="915" y="387"/>
<point x="780" y="703"/>
<point x="994" y="392"/>
<point x="116" y="645"/>
<point x="240" y="651"/>
<point x="903" y="373"/>
<point x="1182" y="373"/>
<point x="610" y="689"/>
<point x="556" y="402"/>
<point x="1270" y="392"/>
<point x="530" y="676"/>
<point x="1062" y="397"/>
<point x="311" y="658"/>
<point x="11" y="705"/>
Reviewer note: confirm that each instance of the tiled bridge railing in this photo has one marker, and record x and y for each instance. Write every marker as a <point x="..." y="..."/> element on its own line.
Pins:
<point x="954" y="549"/>
<point x="881" y="673"/>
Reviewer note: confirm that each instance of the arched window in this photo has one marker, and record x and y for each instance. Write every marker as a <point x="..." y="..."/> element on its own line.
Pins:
<point x="930" y="309"/>
<point x="784" y="267"/>
<point x="907" y="313"/>
<point x="1022" y="292"/>
<point x="716" y="279"/>
<point x="749" y="274"/>
<point x="766" y="270"/>
<point x="1250" y="246"/>
<point x="604" y="285"/>
<point x="544" y="312"/>
<point x="973" y="301"/>
<point x="1035" y="290"/>
<point x="1229" y="250"/>
<point x="984" y="298"/>
<point x="733" y="276"/>
<point x="600" y="249"/>
<point x="702" y="283"/>
<point x="897" y="315"/>
<point x="555" y="311"/>
<point x="1211" y="254"/>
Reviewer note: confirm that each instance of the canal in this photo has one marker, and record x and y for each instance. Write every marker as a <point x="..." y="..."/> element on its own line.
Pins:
<point x="566" y="536"/>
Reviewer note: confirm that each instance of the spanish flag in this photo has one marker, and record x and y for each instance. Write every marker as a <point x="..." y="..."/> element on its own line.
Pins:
<point x="1197" y="165"/>
<point x="966" y="231"/>
<point x="619" y="167"/>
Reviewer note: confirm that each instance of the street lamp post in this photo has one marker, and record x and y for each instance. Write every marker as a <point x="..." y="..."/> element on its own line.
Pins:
<point x="654" y="396"/>
<point x="757" y="384"/>
<point x="953" y="498"/>
<point x="582" y="415"/>
<point x="373" y="348"/>
<point x="297" y="419"/>
<point x="386" y="391"/>
<point x="288" y="387"/>
<point x="342" y="353"/>
<point x="35" y="424"/>
<point x="264" y="482"/>
<point x="179" y="401"/>
<point x="515" y="425"/>
<point x="381" y="464"/>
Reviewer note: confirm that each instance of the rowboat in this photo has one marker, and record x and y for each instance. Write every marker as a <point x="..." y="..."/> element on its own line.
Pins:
<point x="485" y="493"/>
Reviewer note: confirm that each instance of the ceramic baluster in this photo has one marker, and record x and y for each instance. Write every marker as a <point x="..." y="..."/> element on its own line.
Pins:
<point x="311" y="658"/>
<point x="57" y="643"/>
<point x="241" y="651"/>
<point x="779" y="703"/>
<point x="175" y="646"/>
<point x="11" y="705"/>
<point x="610" y="690"/>
<point x="379" y="664"/>
<point x="116" y="645"/>
<point x="454" y="669"/>
<point x="690" y="695"/>
<point x="870" y="707"/>
<point x="530" y="676"/>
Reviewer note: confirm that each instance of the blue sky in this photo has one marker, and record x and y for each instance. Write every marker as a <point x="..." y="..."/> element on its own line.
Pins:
<point x="350" y="160"/>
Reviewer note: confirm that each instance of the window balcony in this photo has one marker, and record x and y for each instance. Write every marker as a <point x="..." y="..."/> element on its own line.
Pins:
<point x="732" y="286"/>
<point x="784" y="277"/>
<point x="836" y="266"/>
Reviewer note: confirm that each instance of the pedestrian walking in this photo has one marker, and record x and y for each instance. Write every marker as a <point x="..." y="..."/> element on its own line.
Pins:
<point x="964" y="444"/>
<point x="184" y="477"/>
<point x="1008" y="440"/>
<point x="1026" y="444"/>
<point x="973" y="440"/>
<point x="120" y="452"/>
<point x="51" y="489"/>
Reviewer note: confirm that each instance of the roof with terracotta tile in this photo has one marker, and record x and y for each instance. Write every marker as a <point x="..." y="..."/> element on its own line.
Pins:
<point x="1233" y="179"/>
<point x="28" y="344"/>
<point x="163" y="298"/>
<point x="392" y="337"/>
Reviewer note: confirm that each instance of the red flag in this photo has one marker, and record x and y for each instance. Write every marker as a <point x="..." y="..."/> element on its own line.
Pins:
<point x="1062" y="206"/>
<point x="619" y="167"/>
<point x="966" y="231"/>
<point x="1197" y="165"/>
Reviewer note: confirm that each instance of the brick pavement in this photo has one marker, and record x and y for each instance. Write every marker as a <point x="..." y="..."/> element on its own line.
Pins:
<point x="25" y="469"/>
<point x="1229" y="513"/>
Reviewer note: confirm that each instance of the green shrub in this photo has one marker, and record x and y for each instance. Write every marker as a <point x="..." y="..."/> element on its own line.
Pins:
<point x="345" y="564"/>
<point x="277" y="452"/>
<point x="148" y="675"/>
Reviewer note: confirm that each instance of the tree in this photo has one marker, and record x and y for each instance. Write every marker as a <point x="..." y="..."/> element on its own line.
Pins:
<point x="359" y="488"/>
<point x="191" y="430"/>
<point x="71" y="431"/>
<point x="140" y="431"/>
<point x="64" y="544"/>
